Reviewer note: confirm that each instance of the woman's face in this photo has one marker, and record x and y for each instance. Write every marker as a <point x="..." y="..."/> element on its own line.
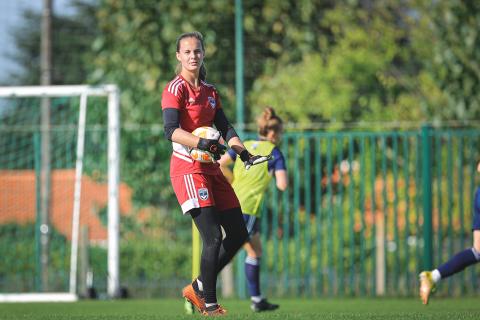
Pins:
<point x="190" y="54"/>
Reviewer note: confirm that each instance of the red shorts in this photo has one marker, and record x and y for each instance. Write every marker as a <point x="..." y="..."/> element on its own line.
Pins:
<point x="197" y="190"/>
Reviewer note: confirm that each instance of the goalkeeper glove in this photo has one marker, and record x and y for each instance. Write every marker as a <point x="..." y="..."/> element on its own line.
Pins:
<point x="212" y="146"/>
<point x="251" y="160"/>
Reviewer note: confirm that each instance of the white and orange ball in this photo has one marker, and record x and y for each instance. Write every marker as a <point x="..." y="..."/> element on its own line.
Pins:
<point x="206" y="133"/>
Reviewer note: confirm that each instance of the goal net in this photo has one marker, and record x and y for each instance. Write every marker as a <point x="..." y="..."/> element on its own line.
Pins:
<point x="59" y="191"/>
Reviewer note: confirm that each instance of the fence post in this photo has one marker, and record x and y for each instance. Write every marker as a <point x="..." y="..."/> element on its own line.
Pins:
<point x="240" y="276"/>
<point x="38" y="263"/>
<point x="239" y="69"/>
<point x="427" y="197"/>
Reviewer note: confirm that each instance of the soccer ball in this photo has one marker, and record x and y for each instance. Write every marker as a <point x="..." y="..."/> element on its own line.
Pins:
<point x="206" y="133"/>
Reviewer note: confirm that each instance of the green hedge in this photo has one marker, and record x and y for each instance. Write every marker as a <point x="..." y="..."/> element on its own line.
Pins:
<point x="18" y="269"/>
<point x="146" y="264"/>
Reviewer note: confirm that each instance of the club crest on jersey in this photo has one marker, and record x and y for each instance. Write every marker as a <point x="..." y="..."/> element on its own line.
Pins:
<point x="203" y="193"/>
<point x="212" y="102"/>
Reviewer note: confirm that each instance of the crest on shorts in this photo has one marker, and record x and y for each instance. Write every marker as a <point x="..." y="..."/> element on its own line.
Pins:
<point x="203" y="193"/>
<point x="212" y="102"/>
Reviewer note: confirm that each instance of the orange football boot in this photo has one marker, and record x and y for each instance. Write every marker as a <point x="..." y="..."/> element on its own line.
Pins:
<point x="189" y="293"/>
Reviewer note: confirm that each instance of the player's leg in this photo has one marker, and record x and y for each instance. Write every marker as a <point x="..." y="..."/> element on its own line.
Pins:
<point x="235" y="235"/>
<point x="184" y="188"/>
<point x="476" y="240"/>
<point x="231" y="219"/>
<point x="463" y="259"/>
<point x="253" y="247"/>
<point x="208" y="224"/>
<point x="457" y="263"/>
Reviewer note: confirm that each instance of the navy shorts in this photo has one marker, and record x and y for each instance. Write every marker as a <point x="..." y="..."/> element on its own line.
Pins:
<point x="251" y="223"/>
<point x="476" y="211"/>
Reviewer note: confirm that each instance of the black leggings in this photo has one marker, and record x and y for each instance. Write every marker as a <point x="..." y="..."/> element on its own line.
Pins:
<point x="216" y="252"/>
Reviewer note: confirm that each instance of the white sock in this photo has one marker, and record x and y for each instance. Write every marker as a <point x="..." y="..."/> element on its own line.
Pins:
<point x="200" y="285"/>
<point x="436" y="276"/>
<point x="256" y="299"/>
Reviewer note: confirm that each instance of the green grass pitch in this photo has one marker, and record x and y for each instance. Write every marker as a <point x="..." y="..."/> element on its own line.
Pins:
<point x="331" y="308"/>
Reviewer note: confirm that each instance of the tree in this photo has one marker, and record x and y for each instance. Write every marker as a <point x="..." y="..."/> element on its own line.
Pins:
<point x="368" y="70"/>
<point x="456" y="54"/>
<point x="72" y="39"/>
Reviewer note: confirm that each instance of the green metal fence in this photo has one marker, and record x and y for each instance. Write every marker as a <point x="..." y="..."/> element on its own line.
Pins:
<point x="365" y="212"/>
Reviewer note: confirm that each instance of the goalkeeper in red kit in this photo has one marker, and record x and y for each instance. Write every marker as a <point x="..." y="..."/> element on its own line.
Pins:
<point x="189" y="102"/>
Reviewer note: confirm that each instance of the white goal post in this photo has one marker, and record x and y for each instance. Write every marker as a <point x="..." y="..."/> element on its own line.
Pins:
<point x="111" y="92"/>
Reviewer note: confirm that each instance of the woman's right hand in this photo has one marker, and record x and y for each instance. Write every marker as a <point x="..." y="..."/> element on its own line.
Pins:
<point x="212" y="146"/>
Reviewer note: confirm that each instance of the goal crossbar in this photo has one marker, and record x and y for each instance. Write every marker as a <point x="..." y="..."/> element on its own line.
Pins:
<point x="57" y="91"/>
<point x="83" y="91"/>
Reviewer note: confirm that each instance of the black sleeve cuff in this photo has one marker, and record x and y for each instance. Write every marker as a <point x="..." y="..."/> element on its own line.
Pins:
<point x="222" y="125"/>
<point x="245" y="155"/>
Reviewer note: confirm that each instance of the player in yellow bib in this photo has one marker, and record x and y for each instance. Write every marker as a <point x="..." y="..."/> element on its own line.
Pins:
<point x="250" y="186"/>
